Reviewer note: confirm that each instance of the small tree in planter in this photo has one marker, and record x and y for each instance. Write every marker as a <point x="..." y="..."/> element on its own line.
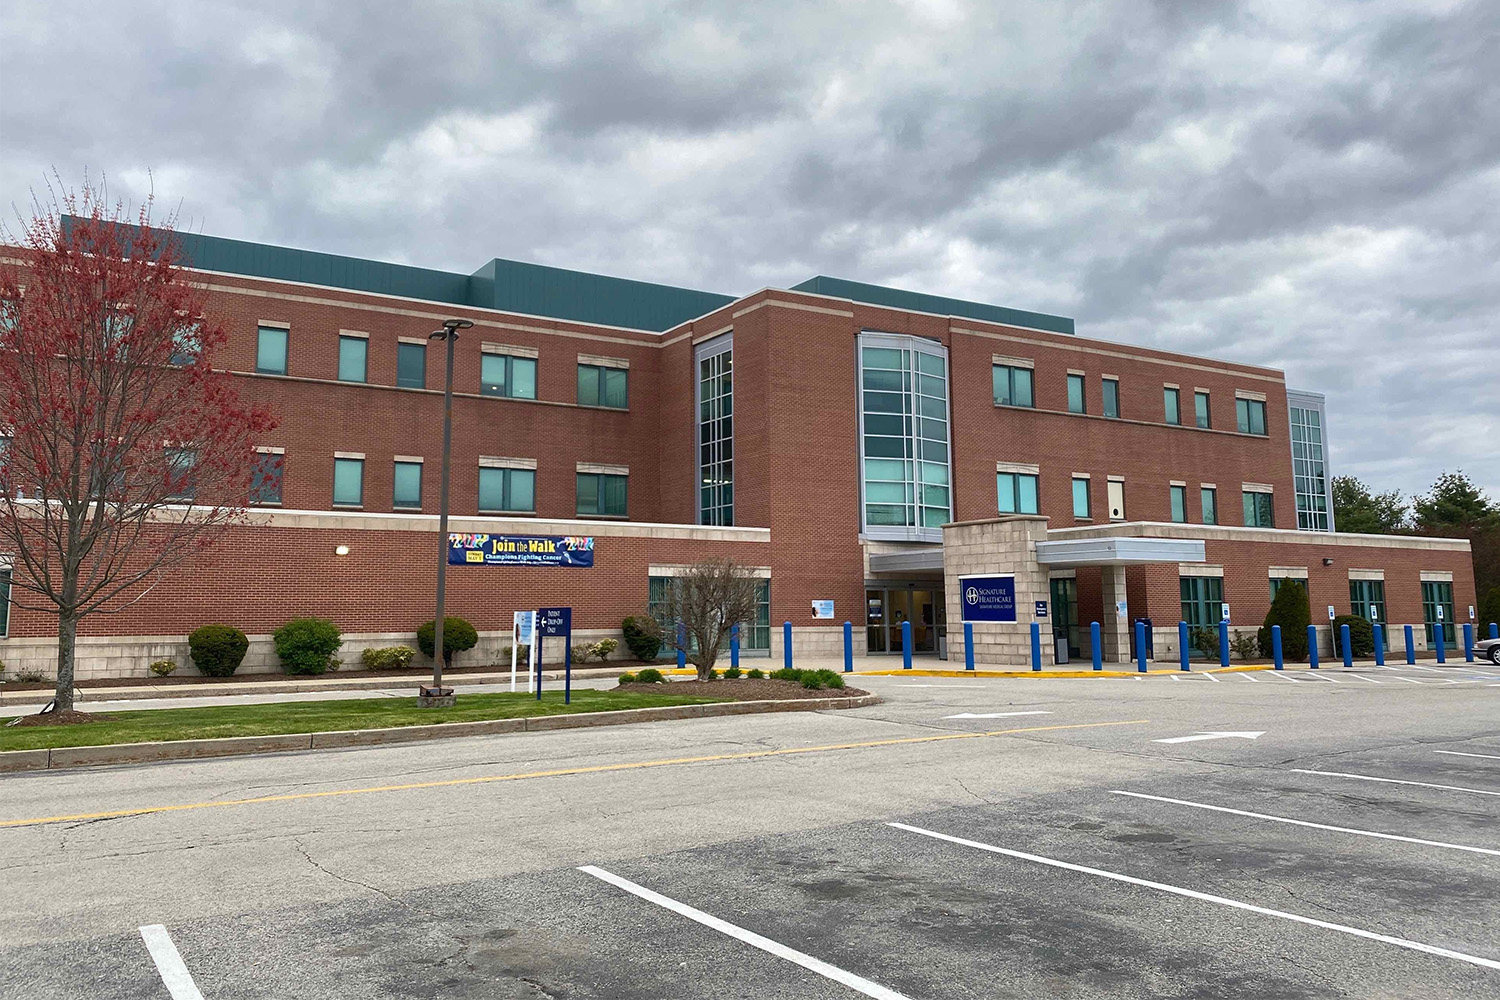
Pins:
<point x="1289" y="610"/>
<point x="458" y="636"/>
<point x="709" y="599"/>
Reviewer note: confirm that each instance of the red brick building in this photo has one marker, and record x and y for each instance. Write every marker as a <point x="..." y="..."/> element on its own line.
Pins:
<point x="822" y="434"/>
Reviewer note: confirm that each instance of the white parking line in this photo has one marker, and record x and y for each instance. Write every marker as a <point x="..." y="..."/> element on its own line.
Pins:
<point x="1211" y="677"/>
<point x="1207" y="898"/>
<point x="1460" y="753"/>
<point x="1394" y="781"/>
<point x="1247" y="677"/>
<point x="169" y="964"/>
<point x="822" y="968"/>
<point x="1364" y="678"/>
<point x="1407" y="679"/>
<point x="1315" y="826"/>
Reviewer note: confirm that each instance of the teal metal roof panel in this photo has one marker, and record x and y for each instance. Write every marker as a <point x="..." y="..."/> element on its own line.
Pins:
<point x="538" y="290"/>
<point x="896" y="298"/>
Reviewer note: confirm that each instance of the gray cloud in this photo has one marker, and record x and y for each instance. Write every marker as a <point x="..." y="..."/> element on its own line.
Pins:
<point x="1309" y="186"/>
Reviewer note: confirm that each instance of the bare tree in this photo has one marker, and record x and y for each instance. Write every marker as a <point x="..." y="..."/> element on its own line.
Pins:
<point x="708" y="600"/>
<point x="122" y="450"/>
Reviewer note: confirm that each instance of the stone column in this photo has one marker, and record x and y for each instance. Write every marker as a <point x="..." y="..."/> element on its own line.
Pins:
<point x="1114" y="627"/>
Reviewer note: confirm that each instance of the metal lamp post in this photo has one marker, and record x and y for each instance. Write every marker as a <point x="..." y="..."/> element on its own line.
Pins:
<point x="437" y="695"/>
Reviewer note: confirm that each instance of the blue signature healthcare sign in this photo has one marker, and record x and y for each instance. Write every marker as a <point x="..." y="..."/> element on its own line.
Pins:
<point x="987" y="598"/>
<point x="520" y="550"/>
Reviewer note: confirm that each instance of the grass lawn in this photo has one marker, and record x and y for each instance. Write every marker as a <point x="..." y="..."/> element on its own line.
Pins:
<point x="157" y="725"/>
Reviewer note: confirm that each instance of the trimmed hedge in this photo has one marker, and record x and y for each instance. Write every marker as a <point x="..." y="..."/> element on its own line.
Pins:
<point x="650" y="676"/>
<point x="217" y="650"/>
<point x="388" y="658"/>
<point x="642" y="636"/>
<point x="308" y="646"/>
<point x="1290" y="610"/>
<point x="458" y="636"/>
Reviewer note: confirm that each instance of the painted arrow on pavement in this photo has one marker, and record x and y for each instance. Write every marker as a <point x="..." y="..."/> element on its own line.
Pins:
<point x="991" y="715"/>
<point x="1212" y="736"/>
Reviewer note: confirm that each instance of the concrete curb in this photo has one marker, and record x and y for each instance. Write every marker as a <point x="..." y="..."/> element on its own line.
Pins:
<point x="137" y="753"/>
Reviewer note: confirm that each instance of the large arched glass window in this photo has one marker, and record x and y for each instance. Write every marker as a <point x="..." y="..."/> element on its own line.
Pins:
<point x="905" y="486"/>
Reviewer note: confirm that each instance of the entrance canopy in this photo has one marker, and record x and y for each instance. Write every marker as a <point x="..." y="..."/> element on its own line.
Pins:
<point x="1119" y="551"/>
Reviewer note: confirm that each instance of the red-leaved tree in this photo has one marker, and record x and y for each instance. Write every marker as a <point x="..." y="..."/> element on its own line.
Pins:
<point x="123" y="450"/>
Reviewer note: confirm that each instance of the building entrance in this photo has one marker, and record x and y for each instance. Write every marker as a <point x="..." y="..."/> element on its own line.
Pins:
<point x="886" y="608"/>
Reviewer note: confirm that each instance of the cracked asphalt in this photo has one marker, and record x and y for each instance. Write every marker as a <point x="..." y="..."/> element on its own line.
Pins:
<point x="465" y="881"/>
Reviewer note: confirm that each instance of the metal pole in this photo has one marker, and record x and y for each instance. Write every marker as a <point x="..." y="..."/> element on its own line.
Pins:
<point x="442" y="579"/>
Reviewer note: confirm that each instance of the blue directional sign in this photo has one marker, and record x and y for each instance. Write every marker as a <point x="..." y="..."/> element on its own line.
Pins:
<point x="987" y="598"/>
<point x="554" y="621"/>
<point x="1041" y="609"/>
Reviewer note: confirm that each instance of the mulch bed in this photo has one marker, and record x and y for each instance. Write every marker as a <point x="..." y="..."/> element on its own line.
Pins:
<point x="68" y="718"/>
<point x="745" y="690"/>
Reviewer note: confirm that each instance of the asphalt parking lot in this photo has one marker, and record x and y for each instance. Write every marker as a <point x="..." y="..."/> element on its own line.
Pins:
<point x="1262" y="835"/>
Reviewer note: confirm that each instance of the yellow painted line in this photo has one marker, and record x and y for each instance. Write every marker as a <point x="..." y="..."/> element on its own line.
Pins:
<point x="595" y="769"/>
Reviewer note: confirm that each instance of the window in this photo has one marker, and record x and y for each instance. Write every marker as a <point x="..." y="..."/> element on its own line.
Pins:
<point x="1277" y="582"/>
<point x="4" y="601"/>
<point x="1081" y="498"/>
<point x="354" y="353"/>
<point x="503" y="375"/>
<point x="1111" y="397"/>
<point x="270" y="351"/>
<point x="904" y="445"/>
<point x="1116" y="492"/>
<point x="754" y="635"/>
<point x="411" y="366"/>
<point x="348" y="482"/>
<point x="1171" y="403"/>
<point x="265" y="478"/>
<point x="1438" y="594"/>
<point x="1308" y="472"/>
<point x="601" y="495"/>
<point x="1201" y="413"/>
<point x="1179" y="504"/>
<point x="1076" y="401"/>
<point x="1012" y="385"/>
<point x="181" y="464"/>
<point x="1258" y="512"/>
<point x="406" y="485"/>
<point x="716" y="431"/>
<point x="1251" y="415"/>
<point x="186" y="342"/>
<point x="599" y="386"/>
<point x="515" y="489"/>
<point x="1017" y="493"/>
<point x="1367" y="600"/>
<point x="1202" y="600"/>
<point x="1210" y="500"/>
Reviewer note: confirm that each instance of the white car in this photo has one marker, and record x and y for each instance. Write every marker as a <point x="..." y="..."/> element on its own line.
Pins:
<point x="1489" y="648"/>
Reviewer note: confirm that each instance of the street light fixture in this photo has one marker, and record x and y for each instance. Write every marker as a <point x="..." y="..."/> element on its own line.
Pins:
<point x="437" y="695"/>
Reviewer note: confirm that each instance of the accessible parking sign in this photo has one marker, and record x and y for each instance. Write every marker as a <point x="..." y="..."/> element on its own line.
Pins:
<point x="987" y="598"/>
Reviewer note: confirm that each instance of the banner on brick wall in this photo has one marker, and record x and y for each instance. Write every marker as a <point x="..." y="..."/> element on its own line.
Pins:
<point x="520" y="550"/>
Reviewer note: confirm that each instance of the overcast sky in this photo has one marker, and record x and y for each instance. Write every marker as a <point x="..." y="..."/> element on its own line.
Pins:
<point x="1310" y="186"/>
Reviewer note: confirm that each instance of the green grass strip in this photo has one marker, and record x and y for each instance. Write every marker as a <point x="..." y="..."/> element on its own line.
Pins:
<point x="161" y="724"/>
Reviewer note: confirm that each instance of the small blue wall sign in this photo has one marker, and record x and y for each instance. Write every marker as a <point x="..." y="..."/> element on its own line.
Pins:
<point x="1041" y="609"/>
<point x="987" y="598"/>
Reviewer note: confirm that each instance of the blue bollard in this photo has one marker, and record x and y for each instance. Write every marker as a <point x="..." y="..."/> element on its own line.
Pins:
<point x="1379" y="645"/>
<point x="681" y="646"/>
<point x="1347" y="645"/>
<point x="906" y="645"/>
<point x="734" y="645"/>
<point x="848" y="647"/>
<point x="968" y="645"/>
<point x="1411" y="647"/>
<point x="1312" y="646"/>
<point x="1140" y="646"/>
<point x="1096" y="646"/>
<point x="1468" y="642"/>
<point x="786" y="645"/>
<point x="1442" y="647"/>
<point x="1495" y="630"/>
<point x="1224" y="643"/>
<point x="1184" y="652"/>
<point x="1036" y="646"/>
<point x="1276" y="656"/>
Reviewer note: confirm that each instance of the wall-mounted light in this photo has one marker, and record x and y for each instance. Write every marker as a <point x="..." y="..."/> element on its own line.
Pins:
<point x="1327" y="561"/>
<point x="341" y="550"/>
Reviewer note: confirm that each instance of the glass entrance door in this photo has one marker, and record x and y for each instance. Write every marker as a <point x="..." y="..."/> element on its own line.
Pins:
<point x="887" y="609"/>
<point x="1065" y="614"/>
